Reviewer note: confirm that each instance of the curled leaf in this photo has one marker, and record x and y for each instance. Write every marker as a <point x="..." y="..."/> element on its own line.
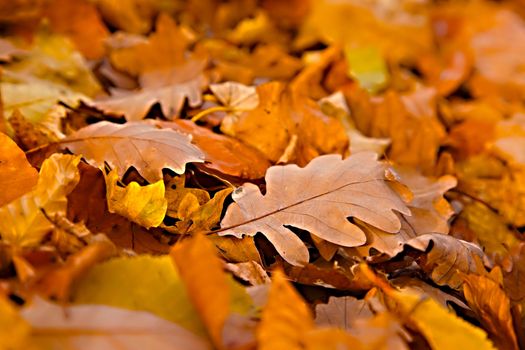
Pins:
<point x="144" y="205"/>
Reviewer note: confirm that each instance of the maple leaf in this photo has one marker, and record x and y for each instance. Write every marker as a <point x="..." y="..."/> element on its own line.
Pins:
<point x="318" y="198"/>
<point x="140" y="145"/>
<point x="17" y="176"/>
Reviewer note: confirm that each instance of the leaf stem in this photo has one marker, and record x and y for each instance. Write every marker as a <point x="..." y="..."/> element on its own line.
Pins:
<point x="205" y="112"/>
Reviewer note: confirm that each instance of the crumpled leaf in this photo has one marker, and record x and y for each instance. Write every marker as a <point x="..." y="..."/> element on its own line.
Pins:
<point x="144" y="205"/>
<point x="317" y="198"/>
<point x="140" y="145"/>
<point x="17" y="176"/>
<point x="209" y="288"/>
<point x="201" y="218"/>
<point x="446" y="257"/>
<point x="22" y="223"/>
<point x="105" y="327"/>
<point x="492" y="306"/>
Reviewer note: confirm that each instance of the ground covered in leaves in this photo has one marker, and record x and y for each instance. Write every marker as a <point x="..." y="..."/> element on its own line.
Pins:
<point x="262" y="174"/>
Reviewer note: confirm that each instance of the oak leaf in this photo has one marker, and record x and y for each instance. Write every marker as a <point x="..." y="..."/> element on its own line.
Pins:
<point x="17" y="176"/>
<point x="144" y="205"/>
<point x="140" y="145"/>
<point x="318" y="198"/>
<point x="446" y="257"/>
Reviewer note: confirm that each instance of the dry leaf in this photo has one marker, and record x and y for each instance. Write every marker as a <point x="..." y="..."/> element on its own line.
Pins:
<point x="201" y="270"/>
<point x="447" y="257"/>
<point x="140" y="145"/>
<point x="144" y="205"/>
<point x="285" y="319"/>
<point x="222" y="153"/>
<point x="492" y="306"/>
<point x="318" y="198"/>
<point x="22" y="222"/>
<point x="17" y="176"/>
<point x="84" y="326"/>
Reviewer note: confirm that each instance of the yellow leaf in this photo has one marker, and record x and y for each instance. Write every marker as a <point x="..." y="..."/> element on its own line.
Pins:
<point x="441" y="327"/>
<point x="22" y="222"/>
<point x="17" y="176"/>
<point x="142" y="283"/>
<point x="144" y="205"/>
<point x="202" y="218"/>
<point x="207" y="284"/>
<point x="367" y="66"/>
<point x="492" y="306"/>
<point x="285" y="319"/>
<point x="14" y="331"/>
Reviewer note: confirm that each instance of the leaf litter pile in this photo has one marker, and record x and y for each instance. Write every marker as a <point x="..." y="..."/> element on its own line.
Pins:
<point x="268" y="174"/>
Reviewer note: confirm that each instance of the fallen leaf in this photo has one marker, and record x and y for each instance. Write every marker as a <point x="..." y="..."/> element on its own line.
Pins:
<point x="446" y="257"/>
<point x="14" y="330"/>
<point x="200" y="269"/>
<point x="140" y="145"/>
<point x="81" y="326"/>
<point x="144" y="205"/>
<point x="342" y="312"/>
<point x="301" y="204"/>
<point x="285" y="319"/>
<point x="17" y="176"/>
<point x="223" y="153"/>
<point x="140" y="283"/>
<point x="57" y="283"/>
<point x="168" y="88"/>
<point x="22" y="223"/>
<point x="492" y="307"/>
<point x="164" y="49"/>
<point x="80" y="21"/>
